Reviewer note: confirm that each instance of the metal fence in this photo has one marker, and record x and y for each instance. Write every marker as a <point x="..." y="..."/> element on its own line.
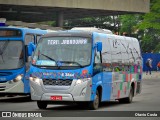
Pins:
<point x="154" y="56"/>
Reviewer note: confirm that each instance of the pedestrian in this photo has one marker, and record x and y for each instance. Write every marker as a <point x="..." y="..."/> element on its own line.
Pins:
<point x="149" y="66"/>
<point x="158" y="66"/>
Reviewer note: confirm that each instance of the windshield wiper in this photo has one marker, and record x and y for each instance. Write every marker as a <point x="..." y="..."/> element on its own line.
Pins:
<point x="69" y="62"/>
<point x="49" y="58"/>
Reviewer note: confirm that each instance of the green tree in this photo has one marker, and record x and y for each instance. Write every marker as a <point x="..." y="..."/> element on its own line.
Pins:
<point x="128" y="23"/>
<point x="105" y="22"/>
<point x="151" y="27"/>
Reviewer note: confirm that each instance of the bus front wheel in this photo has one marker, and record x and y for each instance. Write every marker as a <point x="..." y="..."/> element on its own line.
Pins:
<point x="95" y="103"/>
<point x="42" y="104"/>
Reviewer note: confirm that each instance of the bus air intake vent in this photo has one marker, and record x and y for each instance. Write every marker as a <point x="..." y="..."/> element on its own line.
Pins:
<point x="53" y="82"/>
<point x="2" y="88"/>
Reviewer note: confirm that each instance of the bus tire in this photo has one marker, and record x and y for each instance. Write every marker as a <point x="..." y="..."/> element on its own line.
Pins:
<point x="93" y="105"/>
<point x="42" y="104"/>
<point x="129" y="98"/>
<point x="131" y="94"/>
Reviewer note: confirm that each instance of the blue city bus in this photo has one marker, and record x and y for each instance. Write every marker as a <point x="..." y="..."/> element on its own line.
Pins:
<point x="14" y="58"/>
<point x="85" y="67"/>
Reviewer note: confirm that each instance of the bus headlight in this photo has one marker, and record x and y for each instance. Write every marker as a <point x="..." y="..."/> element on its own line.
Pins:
<point x="80" y="81"/>
<point x="18" y="78"/>
<point x="35" y="79"/>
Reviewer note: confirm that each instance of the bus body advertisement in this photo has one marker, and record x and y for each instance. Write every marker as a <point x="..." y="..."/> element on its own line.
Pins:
<point x="81" y="66"/>
<point x="14" y="58"/>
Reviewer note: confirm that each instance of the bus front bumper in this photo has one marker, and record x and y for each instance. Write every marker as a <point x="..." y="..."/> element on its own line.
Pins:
<point x="77" y="93"/>
<point x="12" y="87"/>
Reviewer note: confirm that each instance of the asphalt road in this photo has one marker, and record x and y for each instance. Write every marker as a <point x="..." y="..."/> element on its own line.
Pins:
<point x="148" y="100"/>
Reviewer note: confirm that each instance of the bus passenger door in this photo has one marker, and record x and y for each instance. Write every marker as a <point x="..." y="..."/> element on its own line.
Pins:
<point x="28" y="38"/>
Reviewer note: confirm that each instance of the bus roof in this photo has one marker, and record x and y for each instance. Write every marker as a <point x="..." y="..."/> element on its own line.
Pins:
<point x="25" y="29"/>
<point x="69" y="33"/>
<point x="93" y="29"/>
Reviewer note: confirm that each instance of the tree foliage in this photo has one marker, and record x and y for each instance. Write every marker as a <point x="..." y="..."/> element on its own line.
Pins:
<point x="128" y="23"/>
<point x="105" y="22"/>
<point x="151" y="28"/>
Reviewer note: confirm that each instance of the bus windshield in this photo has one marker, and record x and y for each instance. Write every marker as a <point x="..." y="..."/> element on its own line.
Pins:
<point x="11" y="54"/>
<point x="63" y="51"/>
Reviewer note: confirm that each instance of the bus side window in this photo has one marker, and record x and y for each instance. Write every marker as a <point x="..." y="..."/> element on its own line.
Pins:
<point x="97" y="63"/>
<point x="97" y="58"/>
<point x="29" y="38"/>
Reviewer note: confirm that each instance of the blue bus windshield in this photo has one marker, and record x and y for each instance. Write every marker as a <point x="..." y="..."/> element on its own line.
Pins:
<point x="11" y="54"/>
<point x="63" y="51"/>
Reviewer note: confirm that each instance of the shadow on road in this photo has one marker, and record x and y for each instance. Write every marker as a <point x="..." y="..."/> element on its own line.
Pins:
<point x="73" y="107"/>
<point x="109" y="104"/>
<point x="15" y="99"/>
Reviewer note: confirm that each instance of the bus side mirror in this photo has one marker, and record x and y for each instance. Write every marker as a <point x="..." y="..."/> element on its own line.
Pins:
<point x="31" y="48"/>
<point x="99" y="46"/>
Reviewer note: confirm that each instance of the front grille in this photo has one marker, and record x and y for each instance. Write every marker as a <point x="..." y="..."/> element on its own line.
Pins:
<point x="3" y="81"/>
<point x="2" y="88"/>
<point x="53" y="82"/>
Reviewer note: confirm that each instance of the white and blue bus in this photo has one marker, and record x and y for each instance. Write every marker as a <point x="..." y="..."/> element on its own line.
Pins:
<point x="14" y="58"/>
<point x="85" y="67"/>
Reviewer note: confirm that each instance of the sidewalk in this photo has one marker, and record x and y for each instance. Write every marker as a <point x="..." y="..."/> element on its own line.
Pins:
<point x="154" y="75"/>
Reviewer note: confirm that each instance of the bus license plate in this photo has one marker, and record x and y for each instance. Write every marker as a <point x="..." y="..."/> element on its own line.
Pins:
<point x="56" y="97"/>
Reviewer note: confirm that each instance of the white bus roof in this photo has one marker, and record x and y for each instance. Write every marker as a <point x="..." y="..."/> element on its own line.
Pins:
<point x="93" y="29"/>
